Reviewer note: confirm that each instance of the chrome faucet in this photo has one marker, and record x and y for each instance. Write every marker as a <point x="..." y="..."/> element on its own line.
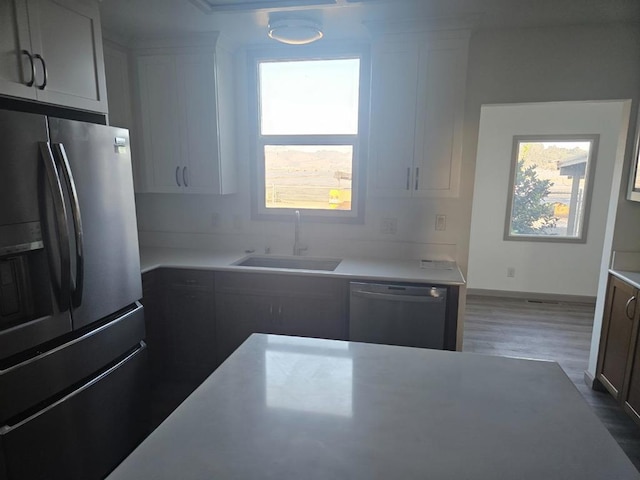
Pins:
<point x="298" y="248"/>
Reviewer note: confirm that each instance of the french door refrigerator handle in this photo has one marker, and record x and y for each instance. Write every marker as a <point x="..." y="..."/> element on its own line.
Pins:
<point x="43" y="85"/>
<point x="60" y="152"/>
<point x="32" y="66"/>
<point x="63" y="290"/>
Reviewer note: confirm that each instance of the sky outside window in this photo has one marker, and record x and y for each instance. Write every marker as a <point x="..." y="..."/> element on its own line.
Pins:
<point x="314" y="97"/>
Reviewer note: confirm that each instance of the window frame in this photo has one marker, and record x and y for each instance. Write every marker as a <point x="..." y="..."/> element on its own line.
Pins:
<point x="588" y="186"/>
<point x="359" y="141"/>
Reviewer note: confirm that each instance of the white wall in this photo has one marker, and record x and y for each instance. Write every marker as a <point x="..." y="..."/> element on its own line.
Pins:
<point x="505" y="66"/>
<point x="541" y="267"/>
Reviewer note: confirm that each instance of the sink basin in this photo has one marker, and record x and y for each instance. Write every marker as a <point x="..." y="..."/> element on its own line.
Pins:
<point x="298" y="263"/>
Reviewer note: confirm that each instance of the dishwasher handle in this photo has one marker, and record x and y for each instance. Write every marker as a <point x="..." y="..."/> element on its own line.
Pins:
<point x="398" y="297"/>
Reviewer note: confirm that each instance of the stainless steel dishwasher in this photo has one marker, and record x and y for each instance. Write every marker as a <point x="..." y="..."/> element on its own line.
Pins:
<point x="390" y="314"/>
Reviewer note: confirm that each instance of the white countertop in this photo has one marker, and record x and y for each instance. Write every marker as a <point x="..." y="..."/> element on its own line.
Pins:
<point x="300" y="408"/>
<point x="351" y="268"/>
<point x="632" y="278"/>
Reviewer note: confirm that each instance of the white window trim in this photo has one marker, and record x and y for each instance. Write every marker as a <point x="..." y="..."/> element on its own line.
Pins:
<point x="588" y="187"/>
<point x="358" y="141"/>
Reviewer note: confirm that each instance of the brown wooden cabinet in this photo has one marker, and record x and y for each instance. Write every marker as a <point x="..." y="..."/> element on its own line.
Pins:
<point x="249" y="303"/>
<point x="632" y="393"/>
<point x="618" y="366"/>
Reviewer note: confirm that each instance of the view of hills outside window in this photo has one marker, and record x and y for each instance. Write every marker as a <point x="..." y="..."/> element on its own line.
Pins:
<point x="548" y="197"/>
<point x="309" y="127"/>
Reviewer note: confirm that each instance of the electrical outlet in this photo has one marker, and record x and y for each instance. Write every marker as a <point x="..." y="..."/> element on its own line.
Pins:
<point x="215" y="220"/>
<point x="511" y="272"/>
<point x="389" y="226"/>
<point x="441" y="223"/>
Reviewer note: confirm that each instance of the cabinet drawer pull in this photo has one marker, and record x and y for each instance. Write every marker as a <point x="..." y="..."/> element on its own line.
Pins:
<point x="43" y="85"/>
<point x="33" y="68"/>
<point x="408" y="178"/>
<point x="626" y="308"/>
<point x="177" y="178"/>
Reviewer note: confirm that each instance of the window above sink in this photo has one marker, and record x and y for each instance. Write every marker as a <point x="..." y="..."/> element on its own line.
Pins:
<point x="310" y="112"/>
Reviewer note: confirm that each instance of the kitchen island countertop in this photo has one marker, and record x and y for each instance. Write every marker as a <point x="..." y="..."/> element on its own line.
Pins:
<point x="395" y="270"/>
<point x="292" y="408"/>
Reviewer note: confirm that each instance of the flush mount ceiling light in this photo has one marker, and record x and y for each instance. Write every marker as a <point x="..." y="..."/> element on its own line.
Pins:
<point x="295" y="31"/>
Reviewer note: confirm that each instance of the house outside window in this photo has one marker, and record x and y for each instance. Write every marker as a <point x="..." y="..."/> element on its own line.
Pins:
<point x="311" y="128"/>
<point x="550" y="190"/>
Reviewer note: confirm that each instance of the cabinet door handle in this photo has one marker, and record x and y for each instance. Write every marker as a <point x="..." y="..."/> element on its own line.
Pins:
<point x="271" y="310"/>
<point x="408" y="178"/>
<point x="626" y="308"/>
<point x="417" y="176"/>
<point x="43" y="85"/>
<point x="33" y="68"/>
<point x="177" y="178"/>
<point x="184" y="176"/>
<point x="279" y="310"/>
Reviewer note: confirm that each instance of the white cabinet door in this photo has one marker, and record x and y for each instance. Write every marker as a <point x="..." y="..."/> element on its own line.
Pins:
<point x="439" y="120"/>
<point x="418" y="90"/>
<point x="158" y="89"/>
<point x="393" y="113"/>
<point x="17" y="73"/>
<point x="66" y="34"/>
<point x="188" y="123"/>
<point x="198" y="121"/>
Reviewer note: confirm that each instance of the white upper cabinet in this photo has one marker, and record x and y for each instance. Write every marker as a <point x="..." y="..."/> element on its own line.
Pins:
<point x="17" y="67"/>
<point x="186" y="110"/>
<point x="52" y="52"/>
<point x="418" y="90"/>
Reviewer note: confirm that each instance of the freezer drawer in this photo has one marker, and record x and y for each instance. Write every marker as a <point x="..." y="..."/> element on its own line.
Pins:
<point x="42" y="376"/>
<point x="411" y="316"/>
<point x="85" y="434"/>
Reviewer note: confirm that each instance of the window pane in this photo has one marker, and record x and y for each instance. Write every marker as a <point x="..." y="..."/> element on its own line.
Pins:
<point x="308" y="176"/>
<point x="550" y="189"/>
<point x="309" y="97"/>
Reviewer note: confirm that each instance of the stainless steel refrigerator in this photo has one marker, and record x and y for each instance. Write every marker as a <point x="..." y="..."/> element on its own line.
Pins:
<point x="73" y="379"/>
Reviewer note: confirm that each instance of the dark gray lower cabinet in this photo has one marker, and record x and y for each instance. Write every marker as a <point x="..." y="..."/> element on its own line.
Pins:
<point x="249" y="303"/>
<point x="152" y="301"/>
<point x="180" y="326"/>
<point x="189" y="325"/>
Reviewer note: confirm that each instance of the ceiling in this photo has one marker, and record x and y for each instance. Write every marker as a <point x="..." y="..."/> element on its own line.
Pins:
<point x="245" y="21"/>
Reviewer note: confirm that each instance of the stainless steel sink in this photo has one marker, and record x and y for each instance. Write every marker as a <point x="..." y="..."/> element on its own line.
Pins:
<point x="297" y="263"/>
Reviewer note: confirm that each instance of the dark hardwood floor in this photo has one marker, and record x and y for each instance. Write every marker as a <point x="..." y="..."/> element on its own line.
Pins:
<point x="547" y="331"/>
